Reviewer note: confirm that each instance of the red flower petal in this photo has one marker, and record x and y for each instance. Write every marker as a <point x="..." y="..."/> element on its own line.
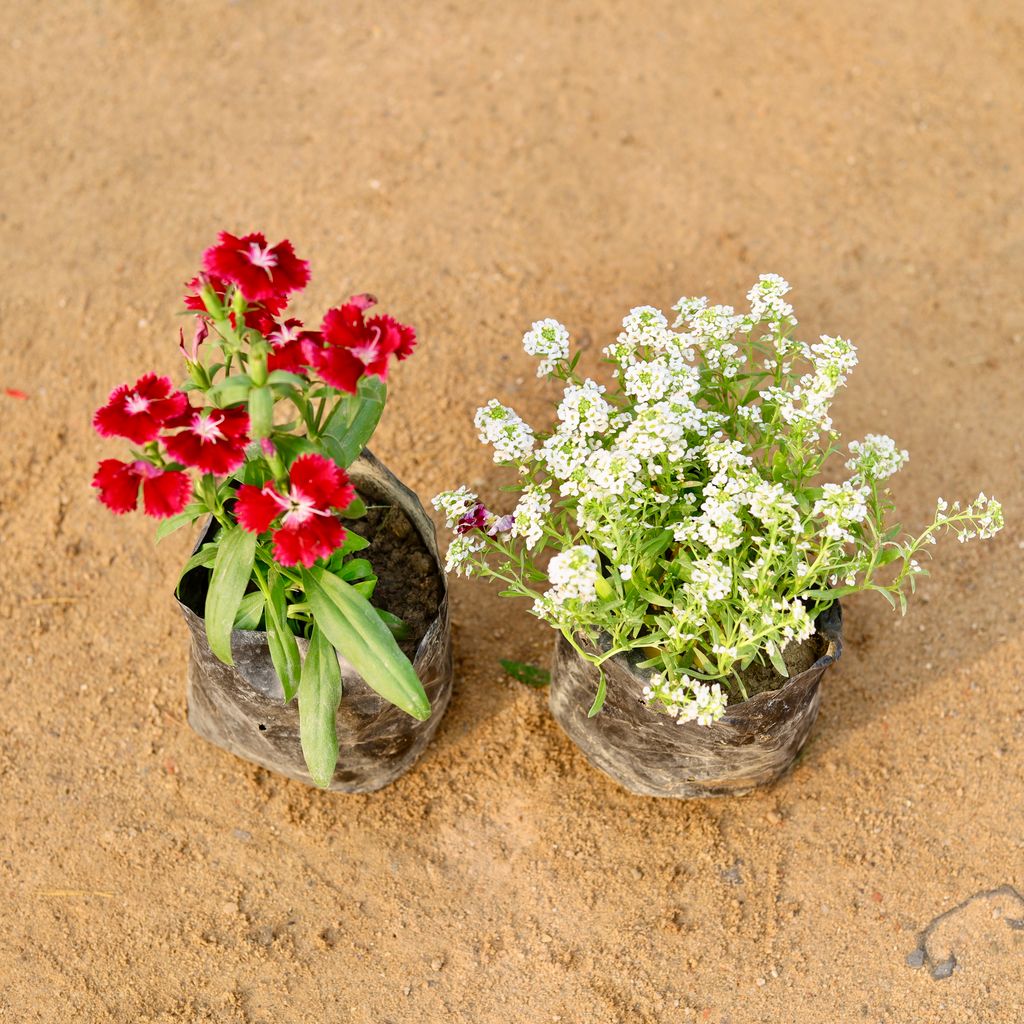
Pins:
<point x="337" y="366"/>
<point x="138" y="411"/>
<point x="322" y="481"/>
<point x="287" y="356"/>
<point x="118" y="485"/>
<point x="166" y="494"/>
<point x="303" y="544"/>
<point x="15" y="393"/>
<point x="235" y="423"/>
<point x="255" y="509"/>
<point x="262" y="272"/>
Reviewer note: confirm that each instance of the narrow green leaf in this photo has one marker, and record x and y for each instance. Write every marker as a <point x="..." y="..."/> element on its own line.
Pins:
<point x="602" y="686"/>
<point x="319" y="697"/>
<point x="355" y="569"/>
<point x="284" y="651"/>
<point x="190" y="514"/>
<point x="355" y="509"/>
<point x="398" y="627"/>
<point x="350" y="427"/>
<point x="232" y="569"/>
<point x="352" y="625"/>
<point x="777" y="661"/>
<point x="284" y="377"/>
<point x="250" y="611"/>
<point x="203" y="557"/>
<point x="231" y="390"/>
<point x="529" y="675"/>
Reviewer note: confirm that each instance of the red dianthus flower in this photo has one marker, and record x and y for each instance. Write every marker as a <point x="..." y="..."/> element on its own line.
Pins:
<point x="164" y="492"/>
<point x="352" y="346"/>
<point x="212" y="440"/>
<point x="140" y="410"/>
<point x="307" y="527"/>
<point x="263" y="272"/>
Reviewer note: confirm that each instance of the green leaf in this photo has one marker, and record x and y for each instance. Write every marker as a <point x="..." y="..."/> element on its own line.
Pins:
<point x="232" y="570"/>
<point x="250" y="611"/>
<point x="203" y="557"/>
<point x="231" y="390"/>
<point x="777" y="661"/>
<point x="351" y="425"/>
<point x="354" y="510"/>
<point x="190" y="514"/>
<point x="319" y="697"/>
<point x="529" y="675"/>
<point x="398" y="627"/>
<point x="284" y="651"/>
<point x="292" y="446"/>
<point x="352" y="625"/>
<point x="284" y="377"/>
<point x="602" y="687"/>
<point x="355" y="569"/>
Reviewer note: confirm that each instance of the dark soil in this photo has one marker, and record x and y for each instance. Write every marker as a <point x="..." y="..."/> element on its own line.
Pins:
<point x="408" y="578"/>
<point x="760" y="678"/>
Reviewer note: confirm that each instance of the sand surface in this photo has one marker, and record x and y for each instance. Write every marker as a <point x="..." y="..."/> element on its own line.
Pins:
<point x="480" y="166"/>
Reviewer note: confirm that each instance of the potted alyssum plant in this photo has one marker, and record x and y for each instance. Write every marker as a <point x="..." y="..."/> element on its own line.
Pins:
<point x="292" y="666"/>
<point x="698" y="547"/>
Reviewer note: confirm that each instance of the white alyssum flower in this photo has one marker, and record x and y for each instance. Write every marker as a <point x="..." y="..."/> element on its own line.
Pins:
<point x="766" y="301"/>
<point x="583" y="409"/>
<point x="564" y="454"/>
<point x="573" y="575"/>
<point x="648" y="381"/>
<point x="461" y="550"/>
<point x="530" y="514"/>
<point x="687" y="700"/>
<point x="876" y="458"/>
<point x="841" y="506"/>
<point x="454" y="504"/>
<point x="548" y="340"/>
<point x="511" y="438"/>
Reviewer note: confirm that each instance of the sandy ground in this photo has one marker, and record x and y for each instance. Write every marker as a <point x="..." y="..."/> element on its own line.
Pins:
<point x="480" y="166"/>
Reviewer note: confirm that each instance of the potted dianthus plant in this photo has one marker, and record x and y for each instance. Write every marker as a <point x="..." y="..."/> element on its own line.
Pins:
<point x="321" y="645"/>
<point x="690" y="532"/>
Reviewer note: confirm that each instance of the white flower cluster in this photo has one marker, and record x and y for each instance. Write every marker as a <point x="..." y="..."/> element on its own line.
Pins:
<point x="841" y="506"/>
<point x="462" y="549"/>
<point x="876" y="458"/>
<point x="530" y="515"/>
<point x="687" y="700"/>
<point x="511" y="438"/>
<point x="766" y="301"/>
<point x="454" y="504"/>
<point x="583" y="409"/>
<point x="573" y="576"/>
<point x="549" y="340"/>
<point x="695" y="478"/>
<point x="982" y="518"/>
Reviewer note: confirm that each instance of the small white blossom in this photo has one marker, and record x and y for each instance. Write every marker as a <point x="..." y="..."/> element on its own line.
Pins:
<point x="573" y="575"/>
<point x="876" y="458"/>
<point x="460" y="551"/>
<point x="583" y="409"/>
<point x="530" y="514"/>
<point x="506" y="432"/>
<point x="549" y="340"/>
<point x="454" y="504"/>
<point x="841" y="506"/>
